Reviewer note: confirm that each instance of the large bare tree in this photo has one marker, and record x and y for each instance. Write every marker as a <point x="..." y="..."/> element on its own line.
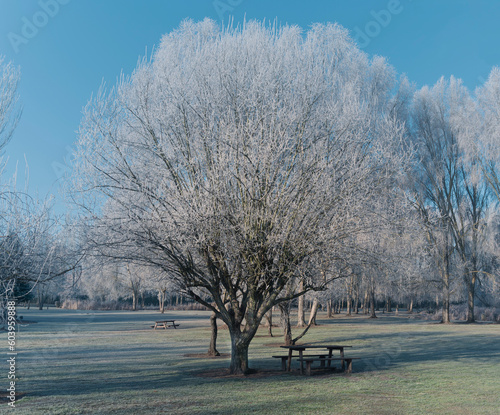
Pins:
<point x="238" y="161"/>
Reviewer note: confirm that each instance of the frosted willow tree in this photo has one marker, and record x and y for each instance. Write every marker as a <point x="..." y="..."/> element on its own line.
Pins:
<point x="477" y="125"/>
<point x="437" y="187"/>
<point x="449" y="192"/>
<point x="33" y="248"/>
<point x="238" y="161"/>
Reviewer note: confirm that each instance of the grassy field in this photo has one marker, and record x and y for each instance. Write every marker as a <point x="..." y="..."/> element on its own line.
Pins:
<point x="112" y="362"/>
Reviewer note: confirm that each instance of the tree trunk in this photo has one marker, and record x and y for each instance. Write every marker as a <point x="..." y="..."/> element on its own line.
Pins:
<point x="269" y="319"/>
<point x="349" y="297"/>
<point x="212" y="350"/>
<point x="365" y="302"/>
<point x="285" y="322"/>
<point x="446" y="291"/>
<point x="134" y="301"/>
<point x="388" y="305"/>
<point x="329" y="308"/>
<point x="372" y="304"/>
<point x="470" y="298"/>
<point x="471" y="272"/>
<point x="410" y="306"/>
<point x="161" y="300"/>
<point x="239" y="352"/>
<point x="314" y="310"/>
<point x="40" y="298"/>
<point x="446" y="280"/>
<point x="41" y="301"/>
<point x="300" y="312"/>
<point x="356" y="300"/>
<point x="446" y="303"/>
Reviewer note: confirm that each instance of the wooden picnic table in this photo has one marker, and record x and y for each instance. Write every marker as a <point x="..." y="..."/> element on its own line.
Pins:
<point x="165" y="324"/>
<point x="302" y="347"/>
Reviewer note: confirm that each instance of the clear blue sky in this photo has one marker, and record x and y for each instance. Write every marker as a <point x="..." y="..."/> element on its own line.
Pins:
<point x="65" y="51"/>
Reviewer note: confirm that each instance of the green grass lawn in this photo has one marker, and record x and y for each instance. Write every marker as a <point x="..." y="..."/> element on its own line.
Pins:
<point x="112" y="362"/>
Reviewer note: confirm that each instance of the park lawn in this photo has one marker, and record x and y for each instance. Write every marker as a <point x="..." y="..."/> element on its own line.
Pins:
<point x="112" y="362"/>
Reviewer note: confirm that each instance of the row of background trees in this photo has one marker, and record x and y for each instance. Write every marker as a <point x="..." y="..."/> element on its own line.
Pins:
<point x="247" y="167"/>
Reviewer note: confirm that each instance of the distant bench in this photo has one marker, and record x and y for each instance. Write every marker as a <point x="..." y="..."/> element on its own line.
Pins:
<point x="164" y="324"/>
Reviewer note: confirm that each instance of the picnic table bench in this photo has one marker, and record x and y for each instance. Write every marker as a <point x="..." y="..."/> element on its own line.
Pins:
<point x="325" y="359"/>
<point x="165" y="324"/>
<point x="284" y="359"/>
<point x="346" y="361"/>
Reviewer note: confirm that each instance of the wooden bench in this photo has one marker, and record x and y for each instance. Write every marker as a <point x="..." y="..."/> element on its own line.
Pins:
<point x="310" y="359"/>
<point x="165" y="324"/>
<point x="283" y="361"/>
<point x="285" y="358"/>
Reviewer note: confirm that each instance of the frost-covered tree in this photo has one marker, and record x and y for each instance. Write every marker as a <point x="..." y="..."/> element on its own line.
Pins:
<point x="448" y="188"/>
<point x="239" y="162"/>
<point x="477" y="125"/>
<point x="436" y="177"/>
<point x="33" y="247"/>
